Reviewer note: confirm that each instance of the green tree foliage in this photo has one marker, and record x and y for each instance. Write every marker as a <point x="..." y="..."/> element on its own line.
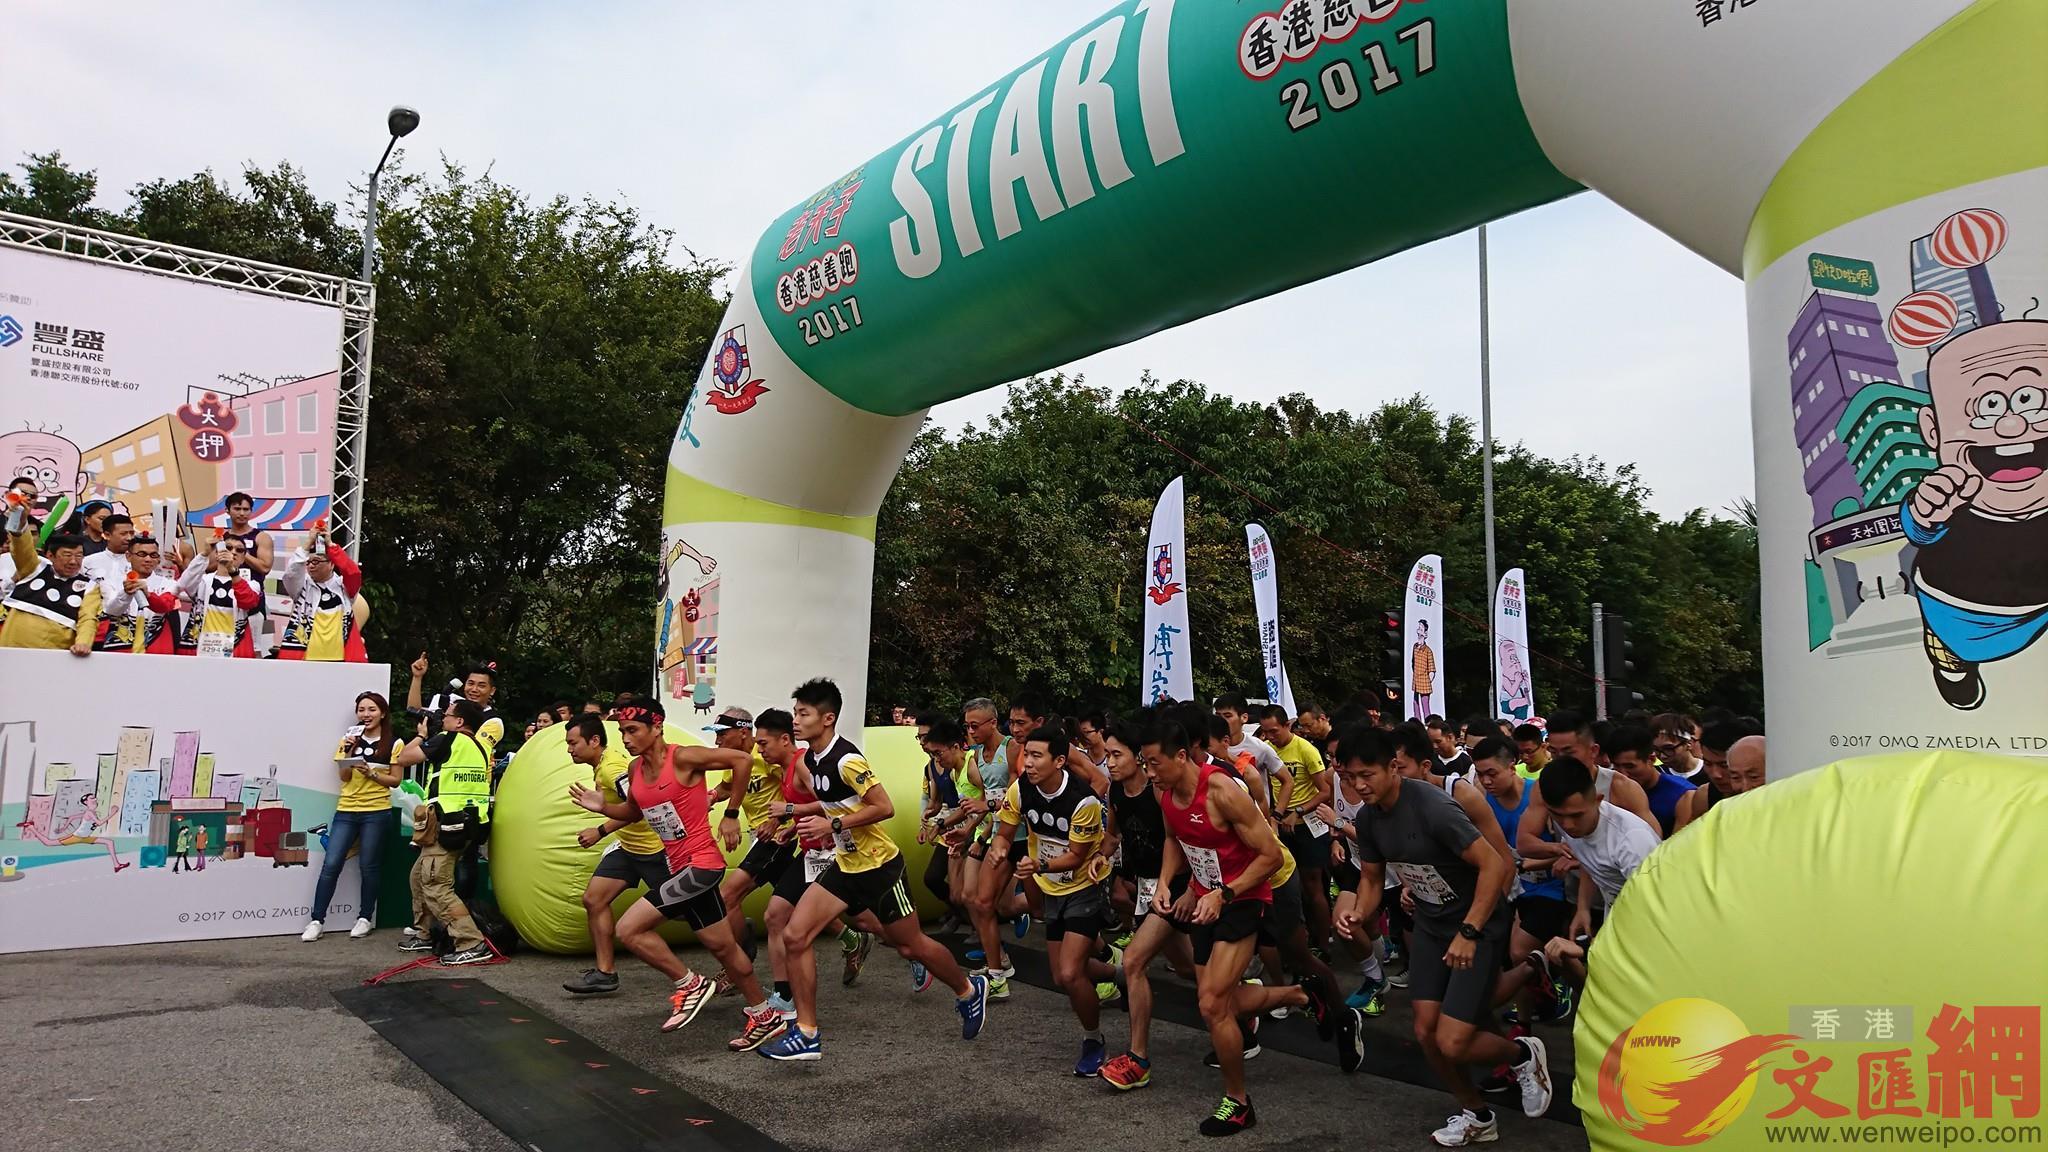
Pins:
<point x="532" y="360"/>
<point x="1013" y="557"/>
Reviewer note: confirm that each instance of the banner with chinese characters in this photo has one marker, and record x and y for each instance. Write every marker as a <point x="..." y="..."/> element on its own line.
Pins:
<point x="156" y="392"/>
<point x="1514" y="685"/>
<point x="1266" y="600"/>
<point x="1166" y="657"/>
<point x="1422" y="636"/>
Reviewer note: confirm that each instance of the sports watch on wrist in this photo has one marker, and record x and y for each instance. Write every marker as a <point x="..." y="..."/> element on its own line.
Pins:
<point x="1468" y="932"/>
<point x="1228" y="895"/>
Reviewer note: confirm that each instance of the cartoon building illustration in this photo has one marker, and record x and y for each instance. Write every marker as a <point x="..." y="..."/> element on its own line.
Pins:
<point x="283" y="455"/>
<point x="1836" y="346"/>
<point x="1929" y="496"/>
<point x="688" y="588"/>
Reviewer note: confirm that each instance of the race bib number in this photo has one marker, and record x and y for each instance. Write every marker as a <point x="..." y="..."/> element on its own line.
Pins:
<point x="1116" y="858"/>
<point x="665" y="820"/>
<point x="1147" y="889"/>
<point x="1315" y="827"/>
<point x="815" y="863"/>
<point x="1424" y="882"/>
<point x="1204" y="865"/>
<point x="1048" y="849"/>
<point x="218" y="645"/>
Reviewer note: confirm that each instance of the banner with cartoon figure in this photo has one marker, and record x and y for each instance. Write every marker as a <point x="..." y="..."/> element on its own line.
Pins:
<point x="1514" y="689"/>
<point x="139" y="803"/>
<point x="1165" y="651"/>
<point x="158" y="393"/>
<point x="1913" y="412"/>
<point x="1266" y="600"/>
<point x="1422" y="632"/>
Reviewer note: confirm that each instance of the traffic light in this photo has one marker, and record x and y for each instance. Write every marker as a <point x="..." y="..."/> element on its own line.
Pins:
<point x="1618" y="653"/>
<point x="1395" y="647"/>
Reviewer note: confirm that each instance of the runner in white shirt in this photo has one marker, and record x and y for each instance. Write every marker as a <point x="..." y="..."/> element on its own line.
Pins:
<point x="1609" y="843"/>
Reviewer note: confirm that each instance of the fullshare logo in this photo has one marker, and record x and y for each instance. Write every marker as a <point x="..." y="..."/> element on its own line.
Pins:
<point x="1682" y="1072"/>
<point x="10" y="331"/>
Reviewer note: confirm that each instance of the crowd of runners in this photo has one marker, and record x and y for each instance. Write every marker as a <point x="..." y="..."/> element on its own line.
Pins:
<point x="1249" y="852"/>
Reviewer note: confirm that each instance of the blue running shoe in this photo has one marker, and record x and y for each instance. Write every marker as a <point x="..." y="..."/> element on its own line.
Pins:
<point x="920" y="976"/>
<point x="1370" y="998"/>
<point x="973" y="1008"/>
<point x="1090" y="1063"/>
<point x="792" y="1045"/>
<point x="976" y="955"/>
<point x="1022" y="925"/>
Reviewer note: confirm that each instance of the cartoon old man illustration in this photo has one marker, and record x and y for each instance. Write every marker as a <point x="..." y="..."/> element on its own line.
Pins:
<point x="1980" y="518"/>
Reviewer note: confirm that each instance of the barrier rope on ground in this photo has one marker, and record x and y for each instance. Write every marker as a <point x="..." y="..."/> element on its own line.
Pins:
<point x="1356" y="557"/>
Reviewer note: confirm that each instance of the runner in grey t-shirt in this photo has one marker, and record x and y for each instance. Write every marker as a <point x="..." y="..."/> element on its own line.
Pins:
<point x="1411" y="829"/>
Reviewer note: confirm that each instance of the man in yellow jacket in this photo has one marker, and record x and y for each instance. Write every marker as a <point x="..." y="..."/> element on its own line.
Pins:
<point x="55" y="603"/>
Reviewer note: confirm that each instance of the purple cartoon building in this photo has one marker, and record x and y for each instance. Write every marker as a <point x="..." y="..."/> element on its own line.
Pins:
<point x="1836" y="346"/>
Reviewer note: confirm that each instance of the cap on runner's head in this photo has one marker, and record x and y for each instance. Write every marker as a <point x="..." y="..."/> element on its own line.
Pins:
<point x="641" y="710"/>
<point x="732" y="718"/>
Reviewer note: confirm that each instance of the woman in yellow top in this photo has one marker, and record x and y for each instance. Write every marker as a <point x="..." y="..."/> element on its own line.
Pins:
<point x="363" y="815"/>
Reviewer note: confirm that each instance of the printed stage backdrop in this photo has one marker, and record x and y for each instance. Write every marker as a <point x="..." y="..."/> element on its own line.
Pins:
<point x="147" y="389"/>
<point x="140" y="805"/>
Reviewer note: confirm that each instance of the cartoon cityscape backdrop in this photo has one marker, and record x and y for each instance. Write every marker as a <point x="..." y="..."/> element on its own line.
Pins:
<point x="151" y="798"/>
<point x="1855" y="418"/>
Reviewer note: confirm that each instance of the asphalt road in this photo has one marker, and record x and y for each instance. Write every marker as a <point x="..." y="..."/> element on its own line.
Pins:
<point x="241" y="1045"/>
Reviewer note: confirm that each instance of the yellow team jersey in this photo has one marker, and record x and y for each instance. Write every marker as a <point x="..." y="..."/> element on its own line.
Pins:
<point x="636" y="837"/>
<point x="1286" y="870"/>
<point x="764" y="792"/>
<point x="360" y="793"/>
<point x="1305" y="764"/>
<point x="840" y="777"/>
<point x="1057" y="824"/>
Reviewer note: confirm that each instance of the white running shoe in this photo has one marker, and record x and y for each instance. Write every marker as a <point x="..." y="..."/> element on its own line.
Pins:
<point x="311" y="933"/>
<point x="1533" y="1075"/>
<point x="1465" y="1128"/>
<point x="362" y="928"/>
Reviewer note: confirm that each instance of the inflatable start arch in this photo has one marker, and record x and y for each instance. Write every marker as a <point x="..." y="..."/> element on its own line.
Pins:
<point x="1875" y="170"/>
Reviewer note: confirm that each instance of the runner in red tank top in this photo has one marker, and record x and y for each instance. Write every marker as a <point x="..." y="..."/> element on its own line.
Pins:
<point x="665" y="787"/>
<point x="1219" y="857"/>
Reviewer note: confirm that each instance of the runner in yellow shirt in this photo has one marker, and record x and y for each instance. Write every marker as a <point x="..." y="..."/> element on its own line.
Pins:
<point x="635" y="858"/>
<point x="1305" y="821"/>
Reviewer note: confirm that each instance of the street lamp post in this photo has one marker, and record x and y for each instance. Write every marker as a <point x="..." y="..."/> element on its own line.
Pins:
<point x="401" y="120"/>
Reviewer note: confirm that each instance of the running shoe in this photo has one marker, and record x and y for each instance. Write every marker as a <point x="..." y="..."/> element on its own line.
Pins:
<point x="416" y="944"/>
<point x="593" y="983"/>
<point x="783" y="1007"/>
<point x="920" y="976"/>
<point x="856" y="955"/>
<point x="1123" y="940"/>
<point x="792" y="1045"/>
<point x="1397" y="979"/>
<point x="1559" y="1008"/>
<point x="1370" y="998"/>
<point x="1546" y="981"/>
<point x="1350" y="1040"/>
<point x="1467" y="1128"/>
<point x="481" y="954"/>
<point x="998" y="986"/>
<point x="1021" y="925"/>
<point x="1231" y="1117"/>
<point x="311" y="933"/>
<point x="1501" y="1081"/>
<point x="1321" y="1005"/>
<point x="1107" y="992"/>
<point x="1127" y="1072"/>
<point x="762" y="1025"/>
<point x="1533" y="1076"/>
<point x="363" y="928"/>
<point x="724" y="984"/>
<point x="974" y="1007"/>
<point x="1090" y="1063"/>
<point x="692" y="993"/>
<point x="976" y="955"/>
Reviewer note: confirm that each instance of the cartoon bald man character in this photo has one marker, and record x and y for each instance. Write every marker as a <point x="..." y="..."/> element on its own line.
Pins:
<point x="1980" y="518"/>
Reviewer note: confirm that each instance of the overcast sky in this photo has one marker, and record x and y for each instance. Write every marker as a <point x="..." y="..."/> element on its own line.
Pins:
<point x="1608" y="339"/>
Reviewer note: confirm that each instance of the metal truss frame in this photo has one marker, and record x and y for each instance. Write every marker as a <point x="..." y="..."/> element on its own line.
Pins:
<point x="356" y="300"/>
